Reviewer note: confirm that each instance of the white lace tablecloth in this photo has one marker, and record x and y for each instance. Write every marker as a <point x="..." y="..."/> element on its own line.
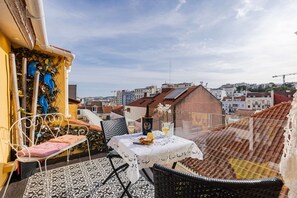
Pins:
<point x="164" y="150"/>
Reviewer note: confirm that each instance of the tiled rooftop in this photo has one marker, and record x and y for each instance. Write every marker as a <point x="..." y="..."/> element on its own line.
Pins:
<point x="118" y="110"/>
<point x="80" y="122"/>
<point x="160" y="98"/>
<point x="107" y="109"/>
<point x="234" y="142"/>
<point x="283" y="96"/>
<point x="249" y="148"/>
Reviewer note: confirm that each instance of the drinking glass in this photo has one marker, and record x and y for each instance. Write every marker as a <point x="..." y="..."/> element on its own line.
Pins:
<point x="165" y="127"/>
<point x="131" y="127"/>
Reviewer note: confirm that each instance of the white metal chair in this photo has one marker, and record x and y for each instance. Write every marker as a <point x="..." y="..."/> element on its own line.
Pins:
<point x="42" y="127"/>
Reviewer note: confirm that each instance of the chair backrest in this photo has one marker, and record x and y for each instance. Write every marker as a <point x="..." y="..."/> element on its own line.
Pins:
<point x="171" y="183"/>
<point x="112" y="128"/>
<point x="41" y="126"/>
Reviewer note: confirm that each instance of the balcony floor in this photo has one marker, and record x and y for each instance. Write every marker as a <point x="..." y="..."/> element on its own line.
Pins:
<point x="78" y="178"/>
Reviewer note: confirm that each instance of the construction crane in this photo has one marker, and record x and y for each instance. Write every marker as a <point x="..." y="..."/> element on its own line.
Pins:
<point x="284" y="76"/>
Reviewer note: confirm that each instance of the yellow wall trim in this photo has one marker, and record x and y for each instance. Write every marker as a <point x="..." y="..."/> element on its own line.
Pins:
<point x="5" y="105"/>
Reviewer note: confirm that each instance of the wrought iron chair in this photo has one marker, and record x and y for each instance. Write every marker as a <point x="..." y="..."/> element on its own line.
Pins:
<point x="112" y="128"/>
<point x="44" y="129"/>
<point x="171" y="183"/>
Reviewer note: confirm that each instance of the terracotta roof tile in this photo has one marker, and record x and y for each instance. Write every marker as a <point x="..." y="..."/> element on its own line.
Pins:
<point x="107" y="109"/>
<point x="80" y="122"/>
<point x="118" y="110"/>
<point x="160" y="98"/>
<point x="244" y="149"/>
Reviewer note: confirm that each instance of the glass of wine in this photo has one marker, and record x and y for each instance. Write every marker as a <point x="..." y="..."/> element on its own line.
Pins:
<point x="131" y="127"/>
<point x="165" y="128"/>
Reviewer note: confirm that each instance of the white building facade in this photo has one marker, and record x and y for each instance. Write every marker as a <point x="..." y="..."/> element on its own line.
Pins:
<point x="147" y="91"/>
<point x="231" y="104"/>
<point x="218" y="93"/>
<point x="259" y="100"/>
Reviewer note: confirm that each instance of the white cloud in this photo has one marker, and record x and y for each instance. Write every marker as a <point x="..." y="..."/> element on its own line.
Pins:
<point x="247" y="6"/>
<point x="206" y="44"/>
<point x="179" y="5"/>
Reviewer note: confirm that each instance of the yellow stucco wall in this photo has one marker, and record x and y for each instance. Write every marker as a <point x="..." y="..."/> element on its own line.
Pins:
<point x="73" y="110"/>
<point x="4" y="104"/>
<point x="60" y="82"/>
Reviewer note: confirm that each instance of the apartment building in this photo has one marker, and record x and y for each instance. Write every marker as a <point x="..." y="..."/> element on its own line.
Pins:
<point x="259" y="100"/>
<point x="231" y="104"/>
<point x="146" y="91"/>
<point x="124" y="97"/>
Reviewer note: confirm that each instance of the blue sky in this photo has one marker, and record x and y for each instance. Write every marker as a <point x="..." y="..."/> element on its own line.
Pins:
<point x="127" y="44"/>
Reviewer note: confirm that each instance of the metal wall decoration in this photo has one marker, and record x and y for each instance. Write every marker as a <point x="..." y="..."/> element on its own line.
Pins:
<point x="47" y="65"/>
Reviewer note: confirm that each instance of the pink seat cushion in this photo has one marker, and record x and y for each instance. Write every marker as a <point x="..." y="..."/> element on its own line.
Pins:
<point x="70" y="139"/>
<point x="42" y="150"/>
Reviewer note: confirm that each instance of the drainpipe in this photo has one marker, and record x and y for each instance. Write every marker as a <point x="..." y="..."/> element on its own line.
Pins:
<point x="35" y="12"/>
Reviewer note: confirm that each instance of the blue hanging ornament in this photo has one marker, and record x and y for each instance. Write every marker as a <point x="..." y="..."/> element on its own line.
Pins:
<point x="43" y="103"/>
<point x="32" y="69"/>
<point x="47" y="79"/>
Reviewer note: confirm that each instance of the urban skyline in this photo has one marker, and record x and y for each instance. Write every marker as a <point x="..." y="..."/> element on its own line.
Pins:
<point x="120" y="44"/>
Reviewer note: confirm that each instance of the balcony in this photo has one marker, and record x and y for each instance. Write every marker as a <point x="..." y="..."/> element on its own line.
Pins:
<point x="250" y="148"/>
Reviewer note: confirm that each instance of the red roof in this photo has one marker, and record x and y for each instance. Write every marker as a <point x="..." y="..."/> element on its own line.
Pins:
<point x="80" y="122"/>
<point x="160" y="98"/>
<point x="249" y="148"/>
<point x="283" y="96"/>
<point x="118" y="110"/>
<point x="107" y="109"/>
<point x="117" y="107"/>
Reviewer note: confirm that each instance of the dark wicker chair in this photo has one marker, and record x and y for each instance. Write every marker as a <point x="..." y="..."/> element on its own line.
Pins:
<point x="112" y="128"/>
<point x="171" y="183"/>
